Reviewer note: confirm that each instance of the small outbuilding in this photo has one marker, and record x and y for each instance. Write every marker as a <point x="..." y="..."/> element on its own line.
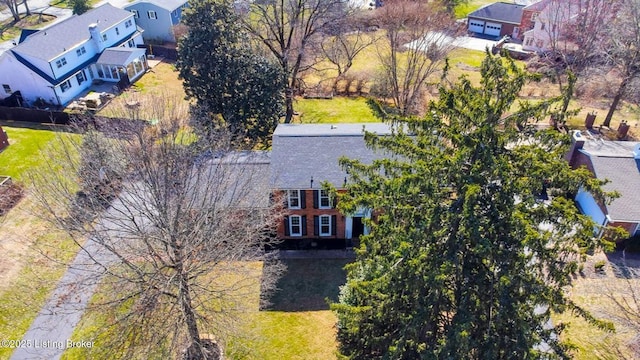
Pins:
<point x="496" y="20"/>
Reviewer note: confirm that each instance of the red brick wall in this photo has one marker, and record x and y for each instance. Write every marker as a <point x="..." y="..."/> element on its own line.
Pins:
<point x="526" y="23"/>
<point x="310" y="212"/>
<point x="629" y="227"/>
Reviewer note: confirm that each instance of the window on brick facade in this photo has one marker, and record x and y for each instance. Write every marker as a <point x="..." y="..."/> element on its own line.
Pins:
<point x="295" y="225"/>
<point x="293" y="198"/>
<point x="325" y="225"/>
<point x="324" y="199"/>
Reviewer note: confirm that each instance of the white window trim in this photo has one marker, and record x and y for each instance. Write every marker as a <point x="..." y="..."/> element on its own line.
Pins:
<point x="289" y="197"/>
<point x="136" y="14"/>
<point x="328" y="233"/>
<point x="320" y="197"/>
<point x="291" y="232"/>
<point x="150" y="12"/>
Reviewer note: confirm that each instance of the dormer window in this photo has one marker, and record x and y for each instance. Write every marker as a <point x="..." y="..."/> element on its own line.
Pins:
<point x="60" y="63"/>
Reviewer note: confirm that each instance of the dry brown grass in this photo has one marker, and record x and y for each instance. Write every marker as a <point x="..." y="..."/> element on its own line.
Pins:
<point x="594" y="291"/>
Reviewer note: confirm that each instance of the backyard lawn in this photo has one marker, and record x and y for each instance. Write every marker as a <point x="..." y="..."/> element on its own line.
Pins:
<point x="336" y="110"/>
<point x="297" y="325"/>
<point x="25" y="143"/>
<point x="28" y="243"/>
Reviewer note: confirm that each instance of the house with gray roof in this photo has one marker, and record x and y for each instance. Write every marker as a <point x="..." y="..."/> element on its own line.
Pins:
<point x="303" y="157"/>
<point x="618" y="162"/>
<point x="158" y="18"/>
<point x="56" y="64"/>
<point x="496" y="20"/>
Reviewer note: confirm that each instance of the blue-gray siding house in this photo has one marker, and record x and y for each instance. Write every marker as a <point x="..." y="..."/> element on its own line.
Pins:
<point x="157" y="18"/>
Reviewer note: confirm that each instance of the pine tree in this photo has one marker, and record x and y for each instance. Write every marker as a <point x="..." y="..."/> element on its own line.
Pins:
<point x="230" y="84"/>
<point x="465" y="260"/>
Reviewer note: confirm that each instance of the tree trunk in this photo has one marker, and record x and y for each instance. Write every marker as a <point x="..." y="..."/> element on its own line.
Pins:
<point x="13" y="7"/>
<point x="615" y="102"/>
<point x="288" y="100"/>
<point x="26" y="6"/>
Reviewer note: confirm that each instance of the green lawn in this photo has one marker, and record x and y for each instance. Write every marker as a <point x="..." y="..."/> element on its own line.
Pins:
<point x="472" y="5"/>
<point x="336" y="110"/>
<point x="298" y="324"/>
<point x="10" y="29"/>
<point x="24" y="148"/>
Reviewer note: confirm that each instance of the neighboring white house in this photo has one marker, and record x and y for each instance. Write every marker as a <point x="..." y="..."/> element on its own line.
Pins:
<point x="158" y="17"/>
<point x="56" y="64"/>
<point x="549" y="19"/>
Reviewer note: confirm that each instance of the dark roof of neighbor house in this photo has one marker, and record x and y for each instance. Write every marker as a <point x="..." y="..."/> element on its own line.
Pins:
<point x="499" y="12"/>
<point x="614" y="161"/>
<point x="50" y="42"/>
<point x="303" y="152"/>
<point x="168" y="5"/>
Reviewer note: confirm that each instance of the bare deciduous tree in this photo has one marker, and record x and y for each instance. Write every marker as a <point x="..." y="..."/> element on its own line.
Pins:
<point x="179" y="233"/>
<point x="417" y="44"/>
<point x="288" y="28"/>
<point x="13" y="8"/>
<point x="350" y="38"/>
<point x="623" y="50"/>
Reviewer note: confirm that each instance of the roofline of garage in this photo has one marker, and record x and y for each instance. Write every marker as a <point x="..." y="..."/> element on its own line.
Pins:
<point x="493" y="20"/>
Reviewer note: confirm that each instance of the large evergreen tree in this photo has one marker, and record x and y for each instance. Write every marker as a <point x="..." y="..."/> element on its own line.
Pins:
<point x="230" y="84"/>
<point x="466" y="259"/>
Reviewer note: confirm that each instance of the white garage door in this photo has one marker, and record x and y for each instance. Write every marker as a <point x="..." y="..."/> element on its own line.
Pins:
<point x="476" y="26"/>
<point x="492" y="29"/>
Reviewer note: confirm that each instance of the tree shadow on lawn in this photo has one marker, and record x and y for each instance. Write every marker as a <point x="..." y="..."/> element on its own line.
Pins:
<point x="308" y="285"/>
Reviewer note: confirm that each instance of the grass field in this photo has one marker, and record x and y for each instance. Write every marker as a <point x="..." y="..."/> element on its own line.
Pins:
<point x="298" y="324"/>
<point x="10" y="29"/>
<point x="25" y="143"/>
<point x="336" y="110"/>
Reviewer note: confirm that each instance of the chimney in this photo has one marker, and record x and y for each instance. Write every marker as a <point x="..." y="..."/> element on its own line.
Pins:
<point x="97" y="38"/>
<point x="577" y="142"/>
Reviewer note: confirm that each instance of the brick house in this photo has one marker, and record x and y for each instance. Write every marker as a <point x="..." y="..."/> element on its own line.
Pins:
<point x="303" y="157"/>
<point x="496" y="20"/>
<point x="619" y="163"/>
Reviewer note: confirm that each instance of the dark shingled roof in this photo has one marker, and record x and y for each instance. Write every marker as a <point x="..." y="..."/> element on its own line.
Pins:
<point x="624" y="176"/>
<point x="500" y="12"/>
<point x="119" y="55"/>
<point x="50" y="42"/>
<point x="302" y="152"/>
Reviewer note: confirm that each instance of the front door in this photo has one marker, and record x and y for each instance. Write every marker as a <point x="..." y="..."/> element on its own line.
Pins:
<point x="358" y="227"/>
